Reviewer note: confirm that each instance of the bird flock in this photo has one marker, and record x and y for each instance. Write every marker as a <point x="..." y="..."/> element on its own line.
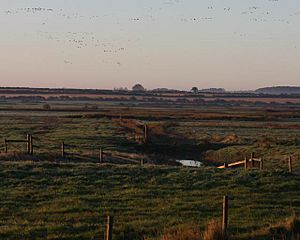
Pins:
<point x="113" y="47"/>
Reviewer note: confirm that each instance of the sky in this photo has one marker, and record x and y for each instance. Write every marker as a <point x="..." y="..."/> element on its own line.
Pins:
<point x="178" y="44"/>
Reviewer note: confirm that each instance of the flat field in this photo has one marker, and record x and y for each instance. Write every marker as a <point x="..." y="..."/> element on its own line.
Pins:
<point x="47" y="196"/>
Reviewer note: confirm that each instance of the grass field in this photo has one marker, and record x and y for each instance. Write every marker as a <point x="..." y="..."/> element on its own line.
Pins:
<point x="69" y="201"/>
<point x="213" y="135"/>
<point x="45" y="196"/>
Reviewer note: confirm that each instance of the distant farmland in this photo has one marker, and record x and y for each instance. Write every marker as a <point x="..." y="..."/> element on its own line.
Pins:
<point x="93" y="158"/>
<point x="158" y="97"/>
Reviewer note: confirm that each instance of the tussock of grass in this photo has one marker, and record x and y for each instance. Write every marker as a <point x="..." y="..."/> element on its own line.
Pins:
<point x="214" y="231"/>
<point x="288" y="229"/>
<point x="183" y="233"/>
<point x="285" y="229"/>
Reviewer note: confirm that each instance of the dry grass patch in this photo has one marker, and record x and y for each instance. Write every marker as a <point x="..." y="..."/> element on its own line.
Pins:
<point x="185" y="233"/>
<point x="214" y="231"/>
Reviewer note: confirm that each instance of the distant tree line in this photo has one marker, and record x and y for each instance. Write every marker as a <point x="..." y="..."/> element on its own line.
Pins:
<point x="182" y="100"/>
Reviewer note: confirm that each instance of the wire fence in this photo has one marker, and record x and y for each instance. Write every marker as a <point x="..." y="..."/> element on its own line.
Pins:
<point x="66" y="152"/>
<point x="75" y="150"/>
<point x="230" y="224"/>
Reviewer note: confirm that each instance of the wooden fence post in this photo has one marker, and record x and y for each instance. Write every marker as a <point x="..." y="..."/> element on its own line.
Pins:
<point x="252" y="159"/>
<point x="142" y="161"/>
<point x="246" y="162"/>
<point x="63" y="149"/>
<point x="225" y="165"/>
<point x="28" y="144"/>
<point x="109" y="228"/>
<point x="261" y="164"/>
<point x="290" y="164"/>
<point x="145" y="133"/>
<point x="225" y="215"/>
<point x="6" y="146"/>
<point x="101" y="155"/>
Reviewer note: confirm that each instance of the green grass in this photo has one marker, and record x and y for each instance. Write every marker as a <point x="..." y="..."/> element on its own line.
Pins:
<point x="81" y="136"/>
<point x="69" y="201"/>
<point x="274" y="141"/>
<point x="44" y="200"/>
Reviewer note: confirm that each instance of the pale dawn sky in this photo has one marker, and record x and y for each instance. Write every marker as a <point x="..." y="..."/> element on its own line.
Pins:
<point x="178" y="44"/>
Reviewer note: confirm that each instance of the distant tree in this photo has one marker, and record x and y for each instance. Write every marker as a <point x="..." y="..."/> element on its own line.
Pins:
<point x="138" y="88"/>
<point x="46" y="106"/>
<point x="195" y="90"/>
